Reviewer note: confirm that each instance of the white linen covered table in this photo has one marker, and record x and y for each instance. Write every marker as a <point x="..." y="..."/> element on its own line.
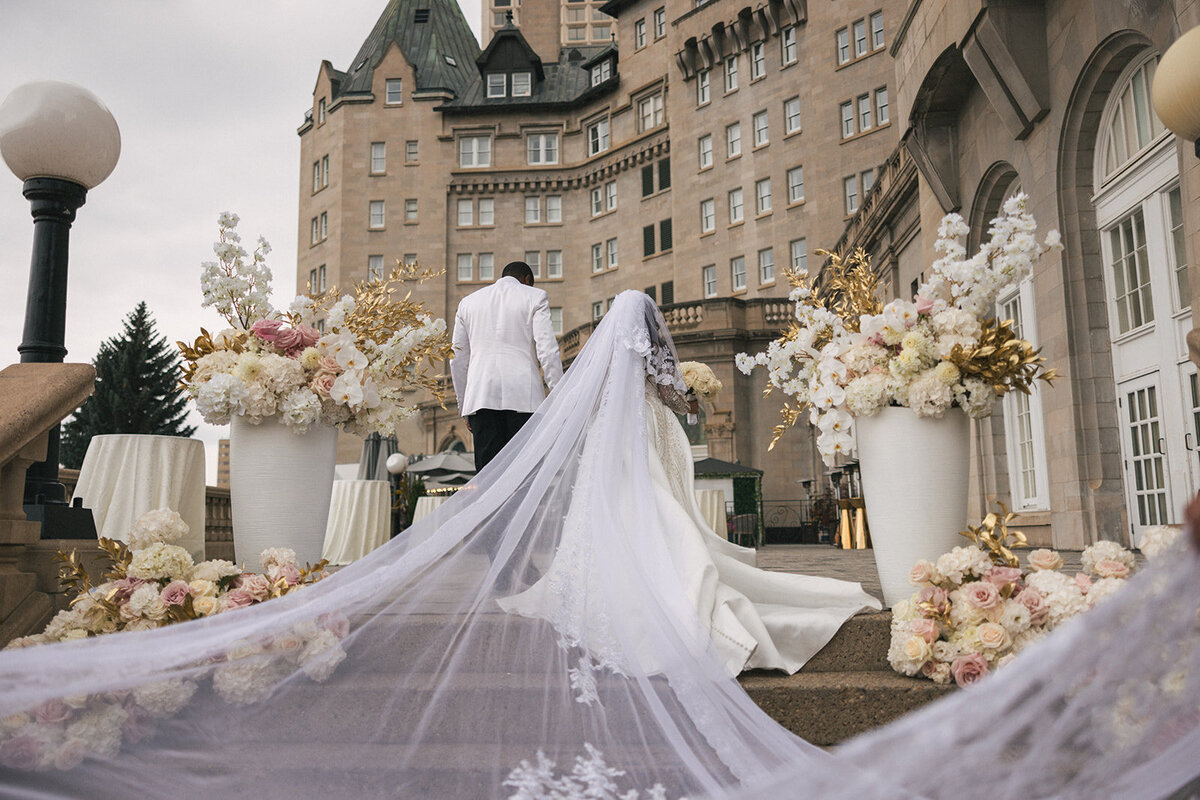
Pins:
<point x="124" y="475"/>
<point x="712" y="506"/>
<point x="426" y="505"/>
<point x="360" y="519"/>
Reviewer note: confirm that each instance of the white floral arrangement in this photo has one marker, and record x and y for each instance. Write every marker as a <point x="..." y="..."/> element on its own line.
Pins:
<point x="700" y="380"/>
<point x="154" y="585"/>
<point x="848" y="355"/>
<point x="971" y="615"/>
<point x="270" y="363"/>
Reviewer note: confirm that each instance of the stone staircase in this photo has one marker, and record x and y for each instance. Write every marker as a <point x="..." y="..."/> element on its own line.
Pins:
<point x="846" y="689"/>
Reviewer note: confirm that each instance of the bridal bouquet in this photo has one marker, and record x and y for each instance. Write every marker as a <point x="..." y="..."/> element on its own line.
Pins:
<point x="847" y="354"/>
<point x="974" y="612"/>
<point x="155" y="583"/>
<point x="352" y="374"/>
<point x="700" y="380"/>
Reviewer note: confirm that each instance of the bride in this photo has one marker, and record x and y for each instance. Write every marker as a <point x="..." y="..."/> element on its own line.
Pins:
<point x="413" y="673"/>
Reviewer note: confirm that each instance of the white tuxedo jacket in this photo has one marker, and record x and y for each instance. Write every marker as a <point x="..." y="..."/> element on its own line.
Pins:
<point x="501" y="333"/>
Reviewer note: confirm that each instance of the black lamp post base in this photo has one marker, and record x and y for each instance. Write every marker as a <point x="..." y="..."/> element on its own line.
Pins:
<point x="61" y="521"/>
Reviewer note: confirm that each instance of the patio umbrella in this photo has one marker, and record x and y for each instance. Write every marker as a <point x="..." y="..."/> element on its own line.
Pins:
<point x="372" y="463"/>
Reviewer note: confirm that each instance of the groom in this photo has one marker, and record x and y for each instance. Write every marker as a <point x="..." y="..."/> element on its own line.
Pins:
<point x="501" y="334"/>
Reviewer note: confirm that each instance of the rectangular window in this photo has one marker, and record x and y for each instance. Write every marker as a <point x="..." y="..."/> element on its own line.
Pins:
<point x="708" y="276"/>
<point x="798" y="250"/>
<point x="664" y="173"/>
<point x="321" y="112"/>
<point x="881" y="104"/>
<point x="860" y="38"/>
<point x="737" y="272"/>
<point x="522" y="84"/>
<point x="378" y="157"/>
<point x="487" y="211"/>
<point x="648" y="240"/>
<point x="868" y="180"/>
<point x="1183" y="292"/>
<point x="321" y="277"/>
<point x="877" y="30"/>
<point x="324" y="225"/>
<point x="787" y="41"/>
<point x="497" y="84"/>
<point x="601" y="72"/>
<point x="556" y="322"/>
<point x="374" y="268"/>
<point x="610" y="250"/>
<point x="553" y="208"/>
<point x="731" y="74"/>
<point x="410" y="151"/>
<point x="795" y="177"/>
<point x="312" y="281"/>
<point x="1131" y="273"/>
<point x="410" y="258"/>
<point x="651" y="292"/>
<point x="762" y="196"/>
<point x="466" y="212"/>
<point x="393" y="88"/>
<point x="597" y="310"/>
<point x="466" y="270"/>
<point x="668" y="293"/>
<point x="475" y="151"/>
<point x="597" y="137"/>
<point x="534" y="259"/>
<point x="533" y="210"/>
<point x="316" y="176"/>
<point x="597" y="201"/>
<point x="487" y="270"/>
<point x="541" y="148"/>
<point x="735" y="206"/>
<point x="666" y="239"/>
<point x="733" y="140"/>
<point x="410" y="210"/>
<point x="660" y="23"/>
<point x="324" y="170"/>
<point x="610" y="195"/>
<point x="597" y="258"/>
<point x="703" y="92"/>
<point x="758" y="60"/>
<point x="577" y="33"/>
<point x="377" y="215"/>
<point x="847" y="110"/>
<point x="705" y="151"/>
<point x="850" y="186"/>
<point x="554" y="264"/>
<point x="639" y="34"/>
<point x="708" y="216"/>
<point x="864" y="112"/>
<point x="315" y="233"/>
<point x="647" y="180"/>
<point x="843" y="46"/>
<point x="791" y="115"/>
<point x="761" y="136"/>
<point x="650" y="112"/>
<point x="766" y="266"/>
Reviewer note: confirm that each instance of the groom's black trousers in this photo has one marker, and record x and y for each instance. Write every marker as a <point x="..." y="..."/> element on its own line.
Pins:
<point x="492" y="430"/>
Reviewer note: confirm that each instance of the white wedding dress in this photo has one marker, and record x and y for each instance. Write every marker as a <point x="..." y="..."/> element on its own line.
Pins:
<point x="402" y="676"/>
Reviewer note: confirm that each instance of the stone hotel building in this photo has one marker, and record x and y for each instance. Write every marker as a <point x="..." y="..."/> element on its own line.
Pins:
<point x="696" y="150"/>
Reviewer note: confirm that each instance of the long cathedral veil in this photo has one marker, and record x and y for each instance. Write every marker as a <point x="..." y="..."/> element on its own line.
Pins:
<point x="402" y="675"/>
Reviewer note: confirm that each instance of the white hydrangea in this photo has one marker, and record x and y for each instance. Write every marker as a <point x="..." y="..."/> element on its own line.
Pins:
<point x="160" y="525"/>
<point x="221" y="398"/>
<point x="1157" y="540"/>
<point x="1103" y="589"/>
<point x="214" y="570"/>
<point x="963" y="562"/>
<point x="300" y="409"/>
<point x="929" y="396"/>
<point x="1105" y="550"/>
<point x="165" y="697"/>
<point x="278" y="557"/>
<point x="160" y="561"/>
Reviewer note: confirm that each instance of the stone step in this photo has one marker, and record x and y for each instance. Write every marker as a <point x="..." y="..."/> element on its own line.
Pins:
<point x="860" y="645"/>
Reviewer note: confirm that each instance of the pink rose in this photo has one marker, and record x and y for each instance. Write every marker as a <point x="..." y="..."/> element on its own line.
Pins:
<point x="336" y="623"/>
<point x="308" y="336"/>
<point x="125" y="588"/>
<point x="969" y="669"/>
<point x="21" y="752"/>
<point x="1111" y="568"/>
<point x="1083" y="582"/>
<point x="322" y="384"/>
<point x="52" y="711"/>
<point x="255" y="585"/>
<point x="266" y="329"/>
<point x="926" y="628"/>
<point x="327" y="364"/>
<point x="287" y="340"/>
<point x="174" y="593"/>
<point x="289" y="572"/>
<point x="1035" y="601"/>
<point x="982" y="594"/>
<point x="1043" y="559"/>
<point x="238" y="598"/>
<point x="922" y="572"/>
<point x="938" y="599"/>
<point x="924" y="304"/>
<point x="1002" y="576"/>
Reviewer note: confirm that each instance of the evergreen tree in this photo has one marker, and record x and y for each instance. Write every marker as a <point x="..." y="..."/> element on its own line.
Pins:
<point x="137" y="390"/>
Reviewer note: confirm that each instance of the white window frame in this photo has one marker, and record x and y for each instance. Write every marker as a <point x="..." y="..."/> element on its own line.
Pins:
<point x="737" y="273"/>
<point x="315" y="232"/>
<point x="847" y="113"/>
<point x="374" y="268"/>
<point x="787" y="45"/>
<point x="731" y="74"/>
<point x="467" y="260"/>
<point x="877" y="37"/>
<point x="377" y="215"/>
<point x="597" y="257"/>
<point x="597" y="199"/>
<point x="737" y="209"/>
<point x="522" y="84"/>
<point x="792" y="123"/>
<point x="798" y="254"/>
<point x="534" y="259"/>
<point x="393" y="92"/>
<point x="708" y="215"/>
<point x="660" y="23"/>
<point x="861" y="43"/>
<point x="650" y="112"/>
<point x="533" y="210"/>
<point x="378" y="158"/>
<point x="554" y="208"/>
<point x="762" y="134"/>
<point x="410" y="209"/>
<point x="703" y="87"/>
<point x="556" y="320"/>
<point x="766" y="266"/>
<point x="610" y="253"/>
<point x="704" y="145"/>
<point x="881" y="106"/>
<point x="475" y="151"/>
<point x="639" y="33"/>
<point x="324" y="225"/>
<point x="541" y="148"/>
<point x="758" y="60"/>
<point x="850" y="194"/>
<point x="554" y="264"/>
<point x="1039" y="498"/>
<point x="762" y="196"/>
<point x="465" y="213"/>
<point x="733" y="140"/>
<point x="411" y="152"/>
<point x="487" y="211"/>
<point x="487" y="267"/>
<point x="497" y="84"/>
<point x="843" y="46"/>
<point x="598" y="136"/>
<point x="610" y="195"/>
<point x="597" y="311"/>
<point x="708" y="279"/>
<point x="864" y="118"/>
<point x="795" y="184"/>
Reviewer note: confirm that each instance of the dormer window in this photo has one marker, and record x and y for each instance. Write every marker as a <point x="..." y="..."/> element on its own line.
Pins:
<point x="602" y="72"/>
<point x="394" y="91"/>
<point x="450" y="60"/>
<point x="522" y="84"/>
<point x="421" y="15"/>
<point x="497" y="84"/>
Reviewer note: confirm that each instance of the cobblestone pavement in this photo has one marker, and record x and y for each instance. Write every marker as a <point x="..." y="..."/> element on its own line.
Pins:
<point x="848" y="565"/>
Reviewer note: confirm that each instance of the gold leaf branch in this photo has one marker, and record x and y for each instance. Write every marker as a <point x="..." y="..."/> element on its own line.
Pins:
<point x="993" y="536"/>
<point x="1002" y="360"/>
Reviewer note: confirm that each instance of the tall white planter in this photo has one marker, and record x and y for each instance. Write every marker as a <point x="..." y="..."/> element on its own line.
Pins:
<point x="914" y="482"/>
<point x="279" y="486"/>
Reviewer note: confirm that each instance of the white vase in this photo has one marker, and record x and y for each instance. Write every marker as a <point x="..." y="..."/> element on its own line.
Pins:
<point x="914" y="482"/>
<point x="279" y="486"/>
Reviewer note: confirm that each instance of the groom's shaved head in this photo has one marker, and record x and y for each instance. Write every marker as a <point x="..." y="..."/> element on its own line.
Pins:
<point x="519" y="270"/>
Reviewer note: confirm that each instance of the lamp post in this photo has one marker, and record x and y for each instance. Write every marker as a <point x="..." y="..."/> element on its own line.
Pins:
<point x="1176" y="89"/>
<point x="61" y="141"/>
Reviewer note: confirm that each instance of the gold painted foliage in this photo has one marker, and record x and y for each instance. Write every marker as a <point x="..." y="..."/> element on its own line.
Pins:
<point x="1002" y="360"/>
<point x="993" y="535"/>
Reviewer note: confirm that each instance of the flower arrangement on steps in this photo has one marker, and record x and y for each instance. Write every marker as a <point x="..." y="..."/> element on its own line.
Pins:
<point x="286" y="387"/>
<point x="154" y="583"/>
<point x="853" y="363"/>
<point x="975" y="608"/>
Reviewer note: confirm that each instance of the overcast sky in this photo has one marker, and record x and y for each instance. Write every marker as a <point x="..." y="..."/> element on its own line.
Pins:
<point x="208" y="95"/>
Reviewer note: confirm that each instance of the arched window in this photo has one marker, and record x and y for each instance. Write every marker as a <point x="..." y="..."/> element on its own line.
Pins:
<point x="1130" y="125"/>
